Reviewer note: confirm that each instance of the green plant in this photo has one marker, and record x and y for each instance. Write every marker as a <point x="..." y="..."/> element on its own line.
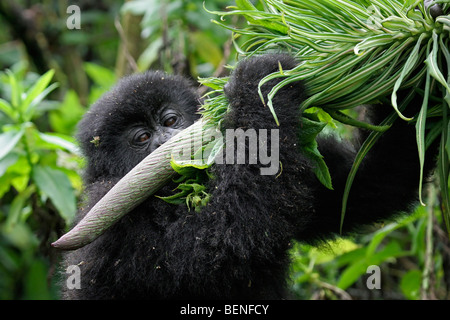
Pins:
<point x="37" y="195"/>
<point x="179" y="36"/>
<point x="409" y="269"/>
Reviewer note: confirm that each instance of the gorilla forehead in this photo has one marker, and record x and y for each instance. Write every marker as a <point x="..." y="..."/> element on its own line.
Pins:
<point x="137" y="97"/>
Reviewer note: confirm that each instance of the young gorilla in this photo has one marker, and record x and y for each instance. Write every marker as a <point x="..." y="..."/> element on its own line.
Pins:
<point x="237" y="246"/>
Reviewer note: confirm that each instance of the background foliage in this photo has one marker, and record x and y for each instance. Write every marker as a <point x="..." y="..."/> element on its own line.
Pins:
<point x="40" y="166"/>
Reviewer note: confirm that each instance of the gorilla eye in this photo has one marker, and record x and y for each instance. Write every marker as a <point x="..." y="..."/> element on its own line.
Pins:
<point x="144" y="137"/>
<point x="141" y="137"/>
<point x="170" y="121"/>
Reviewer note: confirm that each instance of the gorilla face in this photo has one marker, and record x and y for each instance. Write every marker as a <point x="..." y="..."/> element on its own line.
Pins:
<point x="163" y="125"/>
<point x="137" y="116"/>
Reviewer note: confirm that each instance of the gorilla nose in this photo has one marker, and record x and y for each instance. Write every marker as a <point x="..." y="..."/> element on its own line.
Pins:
<point x="163" y="137"/>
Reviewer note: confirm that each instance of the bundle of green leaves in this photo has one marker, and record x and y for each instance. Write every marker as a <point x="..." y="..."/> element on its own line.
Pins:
<point x="355" y="52"/>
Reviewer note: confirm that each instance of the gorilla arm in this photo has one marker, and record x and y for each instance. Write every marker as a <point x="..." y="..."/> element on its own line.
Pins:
<point x="237" y="246"/>
<point x="242" y="236"/>
<point x="386" y="183"/>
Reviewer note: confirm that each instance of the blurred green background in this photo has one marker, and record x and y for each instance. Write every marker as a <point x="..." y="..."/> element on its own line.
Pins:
<point x="49" y="76"/>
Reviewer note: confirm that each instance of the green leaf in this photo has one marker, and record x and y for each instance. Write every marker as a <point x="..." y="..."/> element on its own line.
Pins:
<point x="8" y="140"/>
<point x="407" y="68"/>
<point x="444" y="171"/>
<point x="37" y="89"/>
<point x="266" y="23"/>
<point x="198" y="187"/>
<point x="420" y="133"/>
<point x="29" y="111"/>
<point x="245" y="5"/>
<point x="7" y="108"/>
<point x="320" y="167"/>
<point x="16" y="90"/>
<point x="375" y="41"/>
<point x="19" y="173"/>
<point x="56" y="185"/>
<point x="359" y="267"/>
<point x="345" y="119"/>
<point x="410" y="284"/>
<point x="7" y="161"/>
<point x="65" y="118"/>
<point x="307" y="137"/>
<point x="445" y="51"/>
<point x="352" y="274"/>
<point x="447" y="144"/>
<point x="433" y="64"/>
<point x="378" y="236"/>
<point x="21" y="236"/>
<point x="101" y="76"/>
<point x="212" y="150"/>
<point x="35" y="282"/>
<point x="61" y="141"/>
<point x="309" y="130"/>
<point x="188" y="168"/>
<point x="209" y="50"/>
<point x="397" y="24"/>
<point x="150" y="54"/>
<point x="176" y="199"/>
<point x="16" y="207"/>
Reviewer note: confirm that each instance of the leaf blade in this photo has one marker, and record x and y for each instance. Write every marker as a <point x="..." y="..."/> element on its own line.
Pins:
<point x="56" y="185"/>
<point x="8" y="140"/>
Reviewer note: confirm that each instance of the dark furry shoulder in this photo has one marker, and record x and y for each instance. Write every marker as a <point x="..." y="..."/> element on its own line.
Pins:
<point x="247" y="110"/>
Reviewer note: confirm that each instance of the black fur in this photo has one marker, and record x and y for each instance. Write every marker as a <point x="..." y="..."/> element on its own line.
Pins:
<point x="237" y="246"/>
